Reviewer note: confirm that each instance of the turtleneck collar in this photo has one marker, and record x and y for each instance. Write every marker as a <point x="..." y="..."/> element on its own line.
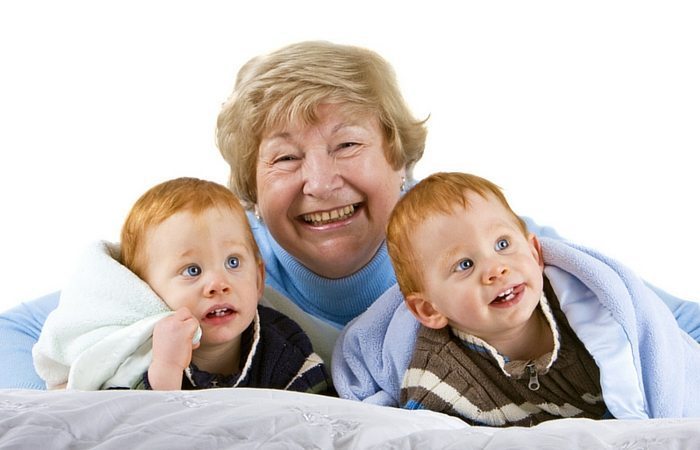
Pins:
<point x="336" y="300"/>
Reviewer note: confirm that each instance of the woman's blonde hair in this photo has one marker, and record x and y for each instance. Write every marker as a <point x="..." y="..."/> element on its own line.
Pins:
<point x="170" y="197"/>
<point x="286" y="86"/>
<point x="440" y="193"/>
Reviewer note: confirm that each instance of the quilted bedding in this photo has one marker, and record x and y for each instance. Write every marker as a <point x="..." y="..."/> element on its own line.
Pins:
<point x="261" y="418"/>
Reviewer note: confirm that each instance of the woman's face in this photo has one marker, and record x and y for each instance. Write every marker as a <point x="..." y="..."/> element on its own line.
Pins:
<point x="325" y="191"/>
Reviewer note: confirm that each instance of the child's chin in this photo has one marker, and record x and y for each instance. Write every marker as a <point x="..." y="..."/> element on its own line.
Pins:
<point x="221" y="336"/>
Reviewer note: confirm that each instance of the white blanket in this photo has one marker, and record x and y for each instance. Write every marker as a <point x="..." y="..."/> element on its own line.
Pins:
<point x="100" y="334"/>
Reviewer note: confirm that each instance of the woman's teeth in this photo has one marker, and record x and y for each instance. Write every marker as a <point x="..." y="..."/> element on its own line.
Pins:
<point x="334" y="215"/>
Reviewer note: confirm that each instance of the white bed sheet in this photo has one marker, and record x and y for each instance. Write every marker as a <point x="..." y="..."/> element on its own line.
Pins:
<point x="262" y="418"/>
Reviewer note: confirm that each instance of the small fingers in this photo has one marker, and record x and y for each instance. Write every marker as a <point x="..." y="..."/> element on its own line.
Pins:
<point x="185" y="316"/>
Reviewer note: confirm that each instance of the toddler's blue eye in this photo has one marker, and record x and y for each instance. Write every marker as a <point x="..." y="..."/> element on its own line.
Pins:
<point x="192" y="271"/>
<point x="464" y="264"/>
<point x="232" y="262"/>
<point x="502" y="243"/>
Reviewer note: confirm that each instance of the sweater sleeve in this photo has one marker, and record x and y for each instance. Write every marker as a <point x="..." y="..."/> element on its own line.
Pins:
<point x="19" y="331"/>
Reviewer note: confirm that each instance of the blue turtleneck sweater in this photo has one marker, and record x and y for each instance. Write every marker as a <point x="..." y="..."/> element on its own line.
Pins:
<point x="336" y="301"/>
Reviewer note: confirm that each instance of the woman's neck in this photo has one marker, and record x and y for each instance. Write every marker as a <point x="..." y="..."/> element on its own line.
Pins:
<point x="336" y="301"/>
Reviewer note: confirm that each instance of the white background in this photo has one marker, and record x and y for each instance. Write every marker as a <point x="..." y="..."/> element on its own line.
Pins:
<point x="587" y="113"/>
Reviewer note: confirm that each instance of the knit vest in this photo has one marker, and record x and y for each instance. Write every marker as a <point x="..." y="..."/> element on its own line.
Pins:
<point x="475" y="383"/>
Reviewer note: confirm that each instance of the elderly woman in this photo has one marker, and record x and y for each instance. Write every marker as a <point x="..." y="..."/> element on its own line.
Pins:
<point x="321" y="144"/>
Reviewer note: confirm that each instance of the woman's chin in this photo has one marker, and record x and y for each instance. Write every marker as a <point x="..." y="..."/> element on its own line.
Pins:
<point x="337" y="262"/>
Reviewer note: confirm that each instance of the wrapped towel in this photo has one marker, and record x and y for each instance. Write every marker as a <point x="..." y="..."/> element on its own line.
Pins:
<point x="100" y="334"/>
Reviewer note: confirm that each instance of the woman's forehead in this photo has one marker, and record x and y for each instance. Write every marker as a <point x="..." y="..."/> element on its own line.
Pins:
<point x="335" y="114"/>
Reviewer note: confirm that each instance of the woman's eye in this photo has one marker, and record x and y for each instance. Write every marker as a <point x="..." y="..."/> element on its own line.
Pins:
<point x="285" y="158"/>
<point x="347" y="145"/>
<point x="192" y="271"/>
<point x="233" y="262"/>
<point x="502" y="244"/>
<point x="464" y="264"/>
<point x="285" y="163"/>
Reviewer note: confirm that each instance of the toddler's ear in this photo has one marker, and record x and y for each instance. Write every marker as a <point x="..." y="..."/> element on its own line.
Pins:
<point x="424" y="311"/>
<point x="261" y="279"/>
<point x="536" y="249"/>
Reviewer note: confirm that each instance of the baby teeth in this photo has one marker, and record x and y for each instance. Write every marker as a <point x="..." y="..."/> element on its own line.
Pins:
<point x="507" y="295"/>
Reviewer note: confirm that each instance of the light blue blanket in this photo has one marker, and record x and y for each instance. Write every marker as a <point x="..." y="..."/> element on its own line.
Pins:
<point x="649" y="366"/>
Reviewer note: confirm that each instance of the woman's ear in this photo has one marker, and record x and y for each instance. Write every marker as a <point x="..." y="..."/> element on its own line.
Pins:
<point x="536" y="249"/>
<point x="424" y="311"/>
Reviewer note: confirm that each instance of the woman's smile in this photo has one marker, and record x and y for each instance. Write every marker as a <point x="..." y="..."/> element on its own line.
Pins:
<point x="342" y="214"/>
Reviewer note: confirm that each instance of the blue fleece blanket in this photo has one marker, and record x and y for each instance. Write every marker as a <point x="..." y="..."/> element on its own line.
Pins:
<point x="649" y="366"/>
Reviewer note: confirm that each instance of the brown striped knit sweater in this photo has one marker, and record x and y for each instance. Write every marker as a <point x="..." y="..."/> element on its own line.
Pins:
<point x="463" y="376"/>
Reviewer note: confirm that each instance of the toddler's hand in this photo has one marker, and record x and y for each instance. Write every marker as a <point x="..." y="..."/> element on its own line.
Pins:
<point x="172" y="349"/>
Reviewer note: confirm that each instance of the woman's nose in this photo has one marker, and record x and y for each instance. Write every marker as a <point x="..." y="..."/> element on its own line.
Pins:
<point x="321" y="175"/>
